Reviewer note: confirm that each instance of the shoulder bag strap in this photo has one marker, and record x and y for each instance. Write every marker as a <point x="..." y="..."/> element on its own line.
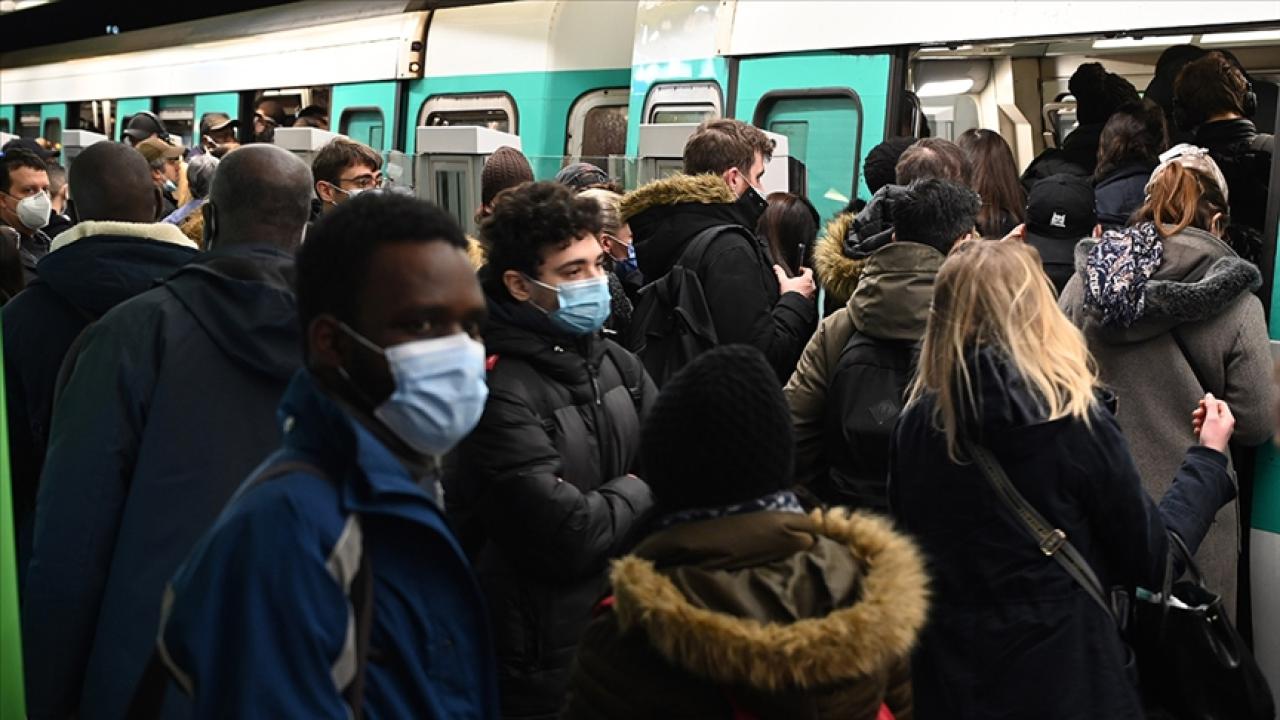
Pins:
<point x="1053" y="541"/>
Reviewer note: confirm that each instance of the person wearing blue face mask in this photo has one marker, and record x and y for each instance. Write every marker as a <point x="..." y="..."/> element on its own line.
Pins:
<point x="354" y="596"/>
<point x="543" y="491"/>
<point x="625" y="278"/>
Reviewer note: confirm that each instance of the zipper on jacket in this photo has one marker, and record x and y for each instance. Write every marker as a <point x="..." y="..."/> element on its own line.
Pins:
<point x="595" y="382"/>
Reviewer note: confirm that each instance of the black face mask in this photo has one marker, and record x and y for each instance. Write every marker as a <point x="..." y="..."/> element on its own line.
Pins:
<point x="753" y="203"/>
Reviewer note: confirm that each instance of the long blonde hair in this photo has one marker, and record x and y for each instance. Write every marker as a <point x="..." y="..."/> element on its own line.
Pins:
<point x="995" y="294"/>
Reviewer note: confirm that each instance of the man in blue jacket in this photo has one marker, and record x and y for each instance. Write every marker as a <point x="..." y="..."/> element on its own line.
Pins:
<point x="114" y="252"/>
<point x="331" y="586"/>
<point x="171" y="401"/>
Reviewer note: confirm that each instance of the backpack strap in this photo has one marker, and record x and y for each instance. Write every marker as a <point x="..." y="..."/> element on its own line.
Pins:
<point x="630" y="372"/>
<point x="693" y="253"/>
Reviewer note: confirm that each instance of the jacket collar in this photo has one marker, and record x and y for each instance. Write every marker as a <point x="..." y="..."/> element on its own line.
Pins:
<point x="373" y="479"/>
<point x="518" y="330"/>
<point x="1225" y="133"/>
<point x="893" y="297"/>
<point x="160" y="232"/>
<point x="678" y="189"/>
<point x="846" y="643"/>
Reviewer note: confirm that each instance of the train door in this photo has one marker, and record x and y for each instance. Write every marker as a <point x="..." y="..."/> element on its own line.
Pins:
<point x="365" y="112"/>
<point x="178" y="113"/>
<point x="831" y="106"/>
<point x="126" y="109"/>
<point x="203" y="105"/>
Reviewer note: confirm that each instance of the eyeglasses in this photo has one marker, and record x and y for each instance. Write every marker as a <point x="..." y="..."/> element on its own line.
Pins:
<point x="364" y="182"/>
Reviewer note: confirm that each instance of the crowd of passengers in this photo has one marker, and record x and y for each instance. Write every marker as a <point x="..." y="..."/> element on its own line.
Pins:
<point x="282" y="447"/>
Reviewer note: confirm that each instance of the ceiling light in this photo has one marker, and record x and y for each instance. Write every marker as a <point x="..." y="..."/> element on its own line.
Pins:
<point x="942" y="88"/>
<point x="1240" y="37"/>
<point x="1128" y="42"/>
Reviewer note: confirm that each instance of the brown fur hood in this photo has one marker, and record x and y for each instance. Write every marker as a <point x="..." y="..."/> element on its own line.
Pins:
<point x="877" y="631"/>
<point x="706" y="189"/>
<point x="477" y="253"/>
<point x="836" y="272"/>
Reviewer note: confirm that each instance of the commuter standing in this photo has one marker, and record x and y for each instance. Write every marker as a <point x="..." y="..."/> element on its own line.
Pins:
<point x="788" y="228"/>
<point x="1129" y="149"/>
<point x="268" y="116"/>
<point x="741" y="605"/>
<point x="543" y="493"/>
<point x="59" y="190"/>
<point x="170" y="402"/>
<point x="888" y="313"/>
<point x="1011" y="633"/>
<point x="143" y="126"/>
<point x="1060" y="212"/>
<point x="12" y="281"/>
<point x="218" y="133"/>
<point x="1216" y="98"/>
<point x="1169" y="312"/>
<point x="506" y="168"/>
<point x="838" y="260"/>
<point x="343" y="169"/>
<point x="25" y="204"/>
<point x="751" y="300"/>
<point x="189" y="218"/>
<point x="1098" y="94"/>
<point x="116" y="251"/>
<point x="166" y="165"/>
<point x="995" y="179"/>
<point x="331" y="585"/>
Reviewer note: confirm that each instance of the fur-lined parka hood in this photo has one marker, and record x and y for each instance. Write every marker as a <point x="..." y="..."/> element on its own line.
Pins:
<point x="1198" y="278"/>
<point x="666" y="214"/>
<point x="862" y="557"/>
<point x="835" y="272"/>
<point x="704" y="189"/>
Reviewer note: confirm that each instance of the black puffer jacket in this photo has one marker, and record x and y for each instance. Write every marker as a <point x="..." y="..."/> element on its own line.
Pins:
<point x="737" y="277"/>
<point x="541" y="494"/>
<point x="1077" y="156"/>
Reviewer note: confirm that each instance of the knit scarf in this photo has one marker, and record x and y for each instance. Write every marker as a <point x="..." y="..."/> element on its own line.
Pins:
<point x="781" y="501"/>
<point x="1117" y="271"/>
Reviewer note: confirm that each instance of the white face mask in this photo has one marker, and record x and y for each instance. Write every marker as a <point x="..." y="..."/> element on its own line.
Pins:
<point x="33" y="211"/>
<point x="349" y="193"/>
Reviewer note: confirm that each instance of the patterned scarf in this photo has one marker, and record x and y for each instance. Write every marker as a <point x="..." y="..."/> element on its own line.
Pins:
<point x="781" y="501"/>
<point x="1117" y="271"/>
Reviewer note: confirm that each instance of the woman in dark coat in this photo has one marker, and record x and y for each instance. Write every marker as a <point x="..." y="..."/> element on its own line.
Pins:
<point x="1012" y="635"/>
<point x="1128" y="151"/>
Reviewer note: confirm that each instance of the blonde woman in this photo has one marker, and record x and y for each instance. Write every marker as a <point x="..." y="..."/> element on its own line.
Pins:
<point x="1167" y="308"/>
<point x="1012" y="634"/>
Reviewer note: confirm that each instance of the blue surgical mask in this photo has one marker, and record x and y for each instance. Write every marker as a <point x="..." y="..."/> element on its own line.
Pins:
<point x="170" y="186"/>
<point x="584" y="304"/>
<point x="629" y="265"/>
<point x="440" y="390"/>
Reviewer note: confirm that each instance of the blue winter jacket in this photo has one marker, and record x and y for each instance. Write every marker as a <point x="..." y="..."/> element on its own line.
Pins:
<point x="258" y="621"/>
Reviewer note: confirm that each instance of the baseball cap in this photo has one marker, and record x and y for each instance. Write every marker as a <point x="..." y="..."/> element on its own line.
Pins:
<point x="1060" y="211"/>
<point x="32" y="145"/>
<point x="154" y="148"/>
<point x="580" y="176"/>
<point x="215" y="121"/>
<point x="143" y="125"/>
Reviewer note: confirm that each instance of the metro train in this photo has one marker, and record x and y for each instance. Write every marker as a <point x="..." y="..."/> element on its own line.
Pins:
<point x="577" y="78"/>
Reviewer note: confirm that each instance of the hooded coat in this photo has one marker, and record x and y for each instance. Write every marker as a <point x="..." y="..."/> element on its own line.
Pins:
<point x="737" y="277"/>
<point x="764" y="614"/>
<point x="1202" y="292"/>
<point x="91" y="268"/>
<point x="868" y="382"/>
<point x="170" y="403"/>
<point x="1077" y="156"/>
<point x="1011" y="634"/>
<point x="542" y="494"/>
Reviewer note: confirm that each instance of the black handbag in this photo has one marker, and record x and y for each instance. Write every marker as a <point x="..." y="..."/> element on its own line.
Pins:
<point x="1192" y="663"/>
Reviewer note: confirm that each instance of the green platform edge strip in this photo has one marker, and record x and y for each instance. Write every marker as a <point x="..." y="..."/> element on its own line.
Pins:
<point x="1266" y="482"/>
<point x="542" y="101"/>
<point x="12" y="702"/>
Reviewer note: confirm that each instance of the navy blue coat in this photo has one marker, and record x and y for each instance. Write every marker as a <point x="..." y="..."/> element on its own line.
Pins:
<point x="1011" y="634"/>
<point x="92" y="268"/>
<point x="170" y="403"/>
<point x="1120" y="193"/>
<point x="261" y="610"/>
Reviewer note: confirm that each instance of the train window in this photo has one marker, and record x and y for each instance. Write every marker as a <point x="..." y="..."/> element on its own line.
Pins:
<point x="597" y="125"/>
<point x="824" y="131"/>
<point x="178" y="115"/>
<point x="363" y="125"/>
<point x="95" y="116"/>
<point x="29" y="122"/>
<point x="683" y="103"/>
<point x="1059" y="121"/>
<point x="53" y="130"/>
<point x="451" y="182"/>
<point x="496" y="111"/>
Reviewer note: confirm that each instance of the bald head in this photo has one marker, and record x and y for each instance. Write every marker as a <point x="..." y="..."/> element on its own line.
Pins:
<point x="261" y="195"/>
<point x="112" y="181"/>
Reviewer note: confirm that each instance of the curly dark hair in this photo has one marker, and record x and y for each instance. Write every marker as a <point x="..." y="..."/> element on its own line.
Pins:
<point x="528" y="219"/>
<point x="935" y="213"/>
<point x="335" y="258"/>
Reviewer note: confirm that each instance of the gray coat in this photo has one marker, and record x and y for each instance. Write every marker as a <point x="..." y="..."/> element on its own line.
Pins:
<point x="1203" y="292"/>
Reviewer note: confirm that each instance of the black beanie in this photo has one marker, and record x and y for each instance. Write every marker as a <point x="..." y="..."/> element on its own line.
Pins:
<point x="881" y="165"/>
<point x="1099" y="93"/>
<point x="719" y="434"/>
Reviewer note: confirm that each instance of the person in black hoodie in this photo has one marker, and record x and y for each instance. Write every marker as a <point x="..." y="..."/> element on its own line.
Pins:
<point x="542" y="491"/>
<point x="114" y="253"/>
<point x="1214" y="96"/>
<point x="1098" y="94"/>
<point x="170" y="402"/>
<point x="752" y="301"/>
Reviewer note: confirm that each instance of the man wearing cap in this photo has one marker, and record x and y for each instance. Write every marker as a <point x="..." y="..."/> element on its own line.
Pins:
<point x="166" y="165"/>
<point x="1060" y="212"/>
<point x="269" y="115"/>
<point x="143" y="126"/>
<point x="218" y="133"/>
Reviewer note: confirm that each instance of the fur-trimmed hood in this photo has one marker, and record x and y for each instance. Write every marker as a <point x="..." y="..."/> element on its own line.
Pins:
<point x="159" y="232"/>
<point x="835" y="272"/>
<point x="666" y="214"/>
<point x="861" y="557"/>
<point x="1199" y="277"/>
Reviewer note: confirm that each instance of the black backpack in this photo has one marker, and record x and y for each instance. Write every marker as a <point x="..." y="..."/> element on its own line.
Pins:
<point x="672" y="324"/>
<point x="1247" y="167"/>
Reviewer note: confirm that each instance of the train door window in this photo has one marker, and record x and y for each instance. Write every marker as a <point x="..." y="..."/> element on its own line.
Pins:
<point x="597" y="125"/>
<point x="363" y="125"/>
<point x="29" y="122"/>
<point x="451" y="181"/>
<point x="950" y="92"/>
<point x="683" y="103"/>
<point x="1059" y="120"/>
<point x="178" y="115"/>
<point x="496" y="111"/>
<point x="94" y="116"/>
<point x="53" y="130"/>
<point x="824" y="131"/>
